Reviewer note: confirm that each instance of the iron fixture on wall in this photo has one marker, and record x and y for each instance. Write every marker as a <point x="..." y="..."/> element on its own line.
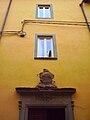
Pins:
<point x="81" y="5"/>
<point x="19" y="33"/>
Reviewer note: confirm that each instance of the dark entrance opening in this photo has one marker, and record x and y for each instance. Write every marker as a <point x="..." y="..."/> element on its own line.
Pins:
<point x="46" y="113"/>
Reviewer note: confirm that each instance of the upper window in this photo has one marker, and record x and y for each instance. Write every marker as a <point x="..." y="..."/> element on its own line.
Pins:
<point x="45" y="47"/>
<point x="44" y="11"/>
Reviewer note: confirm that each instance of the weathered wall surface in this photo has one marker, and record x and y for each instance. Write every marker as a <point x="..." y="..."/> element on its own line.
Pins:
<point x="18" y="67"/>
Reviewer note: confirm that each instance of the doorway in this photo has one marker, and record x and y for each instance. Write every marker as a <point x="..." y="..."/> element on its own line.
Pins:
<point x="46" y="104"/>
<point x="46" y="113"/>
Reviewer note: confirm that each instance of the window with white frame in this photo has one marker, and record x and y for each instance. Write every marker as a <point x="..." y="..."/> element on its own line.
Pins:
<point x="44" y="11"/>
<point x="45" y="46"/>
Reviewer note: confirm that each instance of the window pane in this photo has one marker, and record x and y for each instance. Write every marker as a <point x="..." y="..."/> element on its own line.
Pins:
<point x="40" y="51"/>
<point x="40" y="11"/>
<point x="49" y="50"/>
<point x="47" y="12"/>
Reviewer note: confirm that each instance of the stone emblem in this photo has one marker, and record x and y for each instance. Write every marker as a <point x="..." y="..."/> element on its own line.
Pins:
<point x="46" y="80"/>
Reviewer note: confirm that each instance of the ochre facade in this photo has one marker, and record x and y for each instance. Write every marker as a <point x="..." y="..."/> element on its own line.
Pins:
<point x="18" y="68"/>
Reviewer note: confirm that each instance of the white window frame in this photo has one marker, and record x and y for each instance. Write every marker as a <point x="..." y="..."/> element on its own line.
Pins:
<point x="46" y="52"/>
<point x="44" y="11"/>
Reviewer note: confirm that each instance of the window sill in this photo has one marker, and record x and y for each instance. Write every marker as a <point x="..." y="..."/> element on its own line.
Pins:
<point x="42" y="58"/>
<point x="43" y="18"/>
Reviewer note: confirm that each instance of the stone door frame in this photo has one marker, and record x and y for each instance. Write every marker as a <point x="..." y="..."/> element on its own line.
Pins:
<point x="50" y="98"/>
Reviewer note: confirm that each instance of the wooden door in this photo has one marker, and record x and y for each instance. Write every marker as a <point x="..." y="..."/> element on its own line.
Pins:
<point x="46" y="114"/>
<point x="37" y="114"/>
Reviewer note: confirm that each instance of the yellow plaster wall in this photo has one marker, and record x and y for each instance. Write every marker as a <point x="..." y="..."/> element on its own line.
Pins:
<point x="19" y="69"/>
